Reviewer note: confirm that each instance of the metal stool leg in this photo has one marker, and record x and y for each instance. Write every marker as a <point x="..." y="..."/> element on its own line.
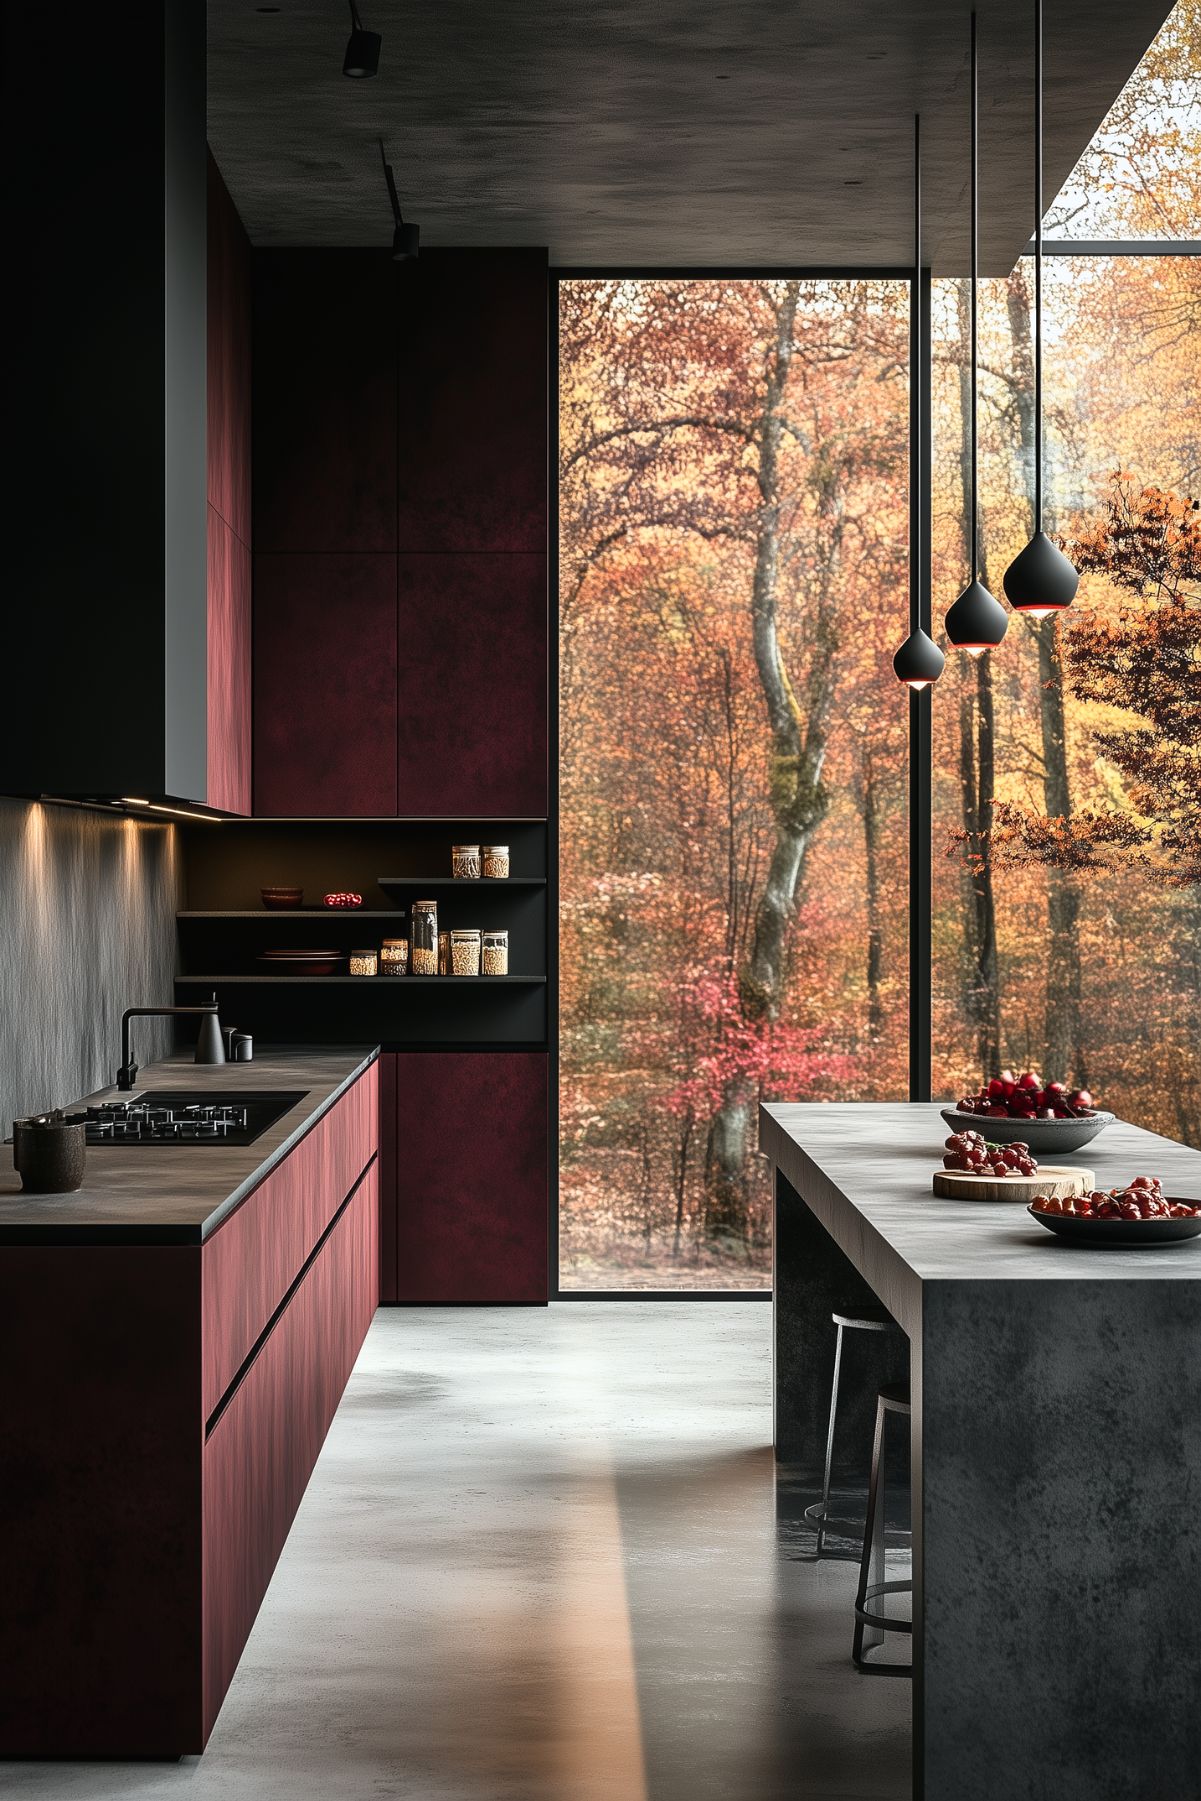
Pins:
<point x="825" y="1501"/>
<point x="870" y="1626"/>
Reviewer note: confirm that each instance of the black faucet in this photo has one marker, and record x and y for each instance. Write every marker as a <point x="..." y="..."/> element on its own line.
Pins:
<point x="209" y="1048"/>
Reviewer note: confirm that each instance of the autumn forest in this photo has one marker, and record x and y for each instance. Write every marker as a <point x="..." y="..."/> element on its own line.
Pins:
<point x="734" y="468"/>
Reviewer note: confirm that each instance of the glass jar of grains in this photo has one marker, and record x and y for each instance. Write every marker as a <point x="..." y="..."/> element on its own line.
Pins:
<point x="394" y="957"/>
<point x="496" y="862"/>
<point x="364" y="963"/>
<point x="465" y="862"/>
<point x="494" y="953"/>
<point x="423" y="936"/>
<point x="465" y="952"/>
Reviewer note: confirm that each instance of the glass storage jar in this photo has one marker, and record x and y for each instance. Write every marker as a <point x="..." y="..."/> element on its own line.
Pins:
<point x="423" y="936"/>
<point x="494" y="953"/>
<point x="465" y="862"/>
<point x="465" y="951"/>
<point x="496" y="862"/>
<point x="444" y="953"/>
<point x="364" y="963"/>
<point x="394" y="957"/>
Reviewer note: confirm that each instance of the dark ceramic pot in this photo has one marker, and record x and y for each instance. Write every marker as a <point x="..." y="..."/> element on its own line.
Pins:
<point x="49" y="1154"/>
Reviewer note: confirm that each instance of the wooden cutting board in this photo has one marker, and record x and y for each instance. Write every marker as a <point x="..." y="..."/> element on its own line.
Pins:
<point x="1049" y="1178"/>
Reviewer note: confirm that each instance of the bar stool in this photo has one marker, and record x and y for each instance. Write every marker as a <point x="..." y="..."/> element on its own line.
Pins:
<point x="893" y="1398"/>
<point x="864" y="1319"/>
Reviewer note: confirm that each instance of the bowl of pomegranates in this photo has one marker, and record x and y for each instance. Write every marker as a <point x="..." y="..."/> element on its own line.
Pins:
<point x="1047" y="1116"/>
<point x="1140" y="1213"/>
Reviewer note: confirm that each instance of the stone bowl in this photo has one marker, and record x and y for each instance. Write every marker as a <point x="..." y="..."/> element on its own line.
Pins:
<point x="1055" y="1137"/>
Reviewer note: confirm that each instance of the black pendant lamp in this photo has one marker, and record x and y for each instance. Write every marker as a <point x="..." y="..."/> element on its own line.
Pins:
<point x="919" y="660"/>
<point x="1040" y="580"/>
<point x="977" y="621"/>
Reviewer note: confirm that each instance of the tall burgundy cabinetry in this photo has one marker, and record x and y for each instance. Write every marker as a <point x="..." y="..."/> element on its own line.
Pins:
<point x="400" y="534"/>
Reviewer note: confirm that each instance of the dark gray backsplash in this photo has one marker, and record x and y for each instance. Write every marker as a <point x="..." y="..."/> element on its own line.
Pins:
<point x="87" y="928"/>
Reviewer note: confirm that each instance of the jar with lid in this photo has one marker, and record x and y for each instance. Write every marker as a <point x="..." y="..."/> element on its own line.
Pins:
<point x="394" y="957"/>
<point x="465" y="862"/>
<point x="423" y="936"/>
<point x="494" y="953"/>
<point x="364" y="963"/>
<point x="465" y="951"/>
<point x="495" y="862"/>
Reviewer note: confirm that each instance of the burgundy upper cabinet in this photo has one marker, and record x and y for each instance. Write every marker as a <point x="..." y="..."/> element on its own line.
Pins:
<point x="228" y="522"/>
<point x="473" y="427"/>
<point x="400" y="525"/>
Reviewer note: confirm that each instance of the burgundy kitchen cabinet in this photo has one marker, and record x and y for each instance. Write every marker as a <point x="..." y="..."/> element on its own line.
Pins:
<point x="325" y="686"/>
<point x="471" y="719"/>
<point x="401" y="648"/>
<point x="164" y="1406"/>
<point x="471" y="1177"/>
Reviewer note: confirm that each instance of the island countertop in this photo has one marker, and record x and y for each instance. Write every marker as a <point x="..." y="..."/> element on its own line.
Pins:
<point x="178" y="1194"/>
<point x="865" y="1170"/>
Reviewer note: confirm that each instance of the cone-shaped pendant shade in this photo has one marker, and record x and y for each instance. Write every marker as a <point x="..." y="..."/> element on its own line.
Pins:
<point x="919" y="660"/>
<point x="1040" y="580"/>
<point x="976" y="621"/>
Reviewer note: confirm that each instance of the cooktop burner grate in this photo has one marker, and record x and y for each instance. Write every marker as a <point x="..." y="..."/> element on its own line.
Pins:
<point x="166" y="1116"/>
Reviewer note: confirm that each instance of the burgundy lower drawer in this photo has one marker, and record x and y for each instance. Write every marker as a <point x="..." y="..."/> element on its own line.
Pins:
<point x="252" y="1259"/>
<point x="262" y="1449"/>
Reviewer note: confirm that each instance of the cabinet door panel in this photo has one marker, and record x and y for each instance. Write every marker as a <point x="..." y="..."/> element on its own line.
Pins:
<point x="261" y="1453"/>
<point x="324" y="401"/>
<point x="252" y="1259"/>
<point x="471" y="725"/>
<point x="472" y="473"/>
<point x="325" y="685"/>
<point x="471" y="1177"/>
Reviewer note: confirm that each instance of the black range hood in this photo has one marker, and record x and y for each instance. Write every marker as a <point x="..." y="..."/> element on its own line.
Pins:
<point x="106" y="628"/>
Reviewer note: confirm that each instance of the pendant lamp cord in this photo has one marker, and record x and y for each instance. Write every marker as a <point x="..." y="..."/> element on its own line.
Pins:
<point x="1038" y="265"/>
<point x="915" y="379"/>
<point x="975" y="532"/>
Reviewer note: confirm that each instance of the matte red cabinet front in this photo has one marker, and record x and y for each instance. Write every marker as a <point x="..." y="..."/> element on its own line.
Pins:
<point x="471" y="1177"/>
<point x="261" y="1452"/>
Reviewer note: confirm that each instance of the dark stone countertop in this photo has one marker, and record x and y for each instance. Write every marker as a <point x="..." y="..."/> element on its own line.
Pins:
<point x="177" y="1194"/>
<point x="864" y="1168"/>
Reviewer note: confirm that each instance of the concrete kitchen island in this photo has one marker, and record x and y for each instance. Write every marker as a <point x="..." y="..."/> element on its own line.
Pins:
<point x="1055" y="1450"/>
<point x="176" y="1337"/>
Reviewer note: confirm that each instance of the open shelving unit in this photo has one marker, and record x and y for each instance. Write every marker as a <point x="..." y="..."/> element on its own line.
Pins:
<point x="221" y="929"/>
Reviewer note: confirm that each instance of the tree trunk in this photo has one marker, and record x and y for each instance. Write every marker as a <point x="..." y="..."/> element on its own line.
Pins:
<point x="1063" y="1045"/>
<point x="871" y="858"/>
<point x="798" y="801"/>
<point x="976" y="774"/>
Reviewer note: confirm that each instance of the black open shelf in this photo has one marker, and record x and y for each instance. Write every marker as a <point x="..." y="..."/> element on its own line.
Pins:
<point x="236" y="981"/>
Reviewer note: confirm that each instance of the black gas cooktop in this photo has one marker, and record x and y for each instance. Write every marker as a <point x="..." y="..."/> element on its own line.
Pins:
<point x="170" y="1116"/>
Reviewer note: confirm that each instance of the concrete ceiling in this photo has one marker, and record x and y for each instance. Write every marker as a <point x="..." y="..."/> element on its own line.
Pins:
<point x="734" y="133"/>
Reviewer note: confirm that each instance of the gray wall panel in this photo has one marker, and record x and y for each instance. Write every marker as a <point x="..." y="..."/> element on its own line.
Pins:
<point x="87" y="928"/>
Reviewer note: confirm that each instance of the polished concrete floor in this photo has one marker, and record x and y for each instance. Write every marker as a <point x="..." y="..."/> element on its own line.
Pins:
<point x="542" y="1558"/>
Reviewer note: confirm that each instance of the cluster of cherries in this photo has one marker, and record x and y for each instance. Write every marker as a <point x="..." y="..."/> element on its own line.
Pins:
<point x="1026" y="1097"/>
<point x="1141" y="1199"/>
<point x="971" y="1153"/>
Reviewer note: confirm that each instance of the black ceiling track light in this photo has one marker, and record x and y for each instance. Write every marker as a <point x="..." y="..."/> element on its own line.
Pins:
<point x="919" y="660"/>
<point x="1040" y="580"/>
<point x="362" y="49"/>
<point x="405" y="238"/>
<point x="977" y="621"/>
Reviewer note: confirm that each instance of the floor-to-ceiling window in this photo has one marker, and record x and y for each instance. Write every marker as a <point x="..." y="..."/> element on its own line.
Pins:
<point x="733" y="481"/>
<point x="1067" y="764"/>
<point x="733" y="476"/>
